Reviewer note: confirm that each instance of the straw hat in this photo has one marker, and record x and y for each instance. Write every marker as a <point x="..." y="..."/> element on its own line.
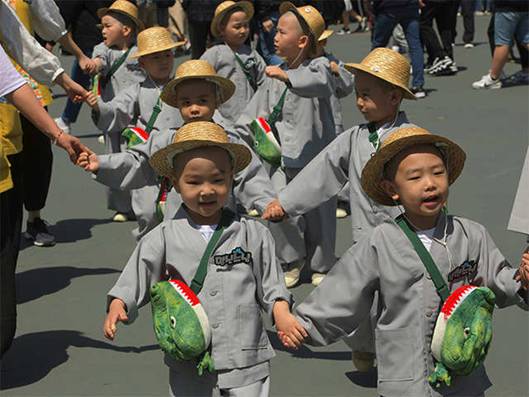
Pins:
<point x="197" y="69"/>
<point x="153" y="40"/>
<point x="195" y="135"/>
<point x="401" y="139"/>
<point x="307" y="14"/>
<point x="225" y="7"/>
<point x="326" y="34"/>
<point x="387" y="65"/>
<point x="123" y="7"/>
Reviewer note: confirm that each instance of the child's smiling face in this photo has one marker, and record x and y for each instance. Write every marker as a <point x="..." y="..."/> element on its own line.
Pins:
<point x="204" y="182"/>
<point x="417" y="178"/>
<point x="236" y="30"/>
<point x="158" y="65"/>
<point x="376" y="100"/>
<point x="196" y="100"/>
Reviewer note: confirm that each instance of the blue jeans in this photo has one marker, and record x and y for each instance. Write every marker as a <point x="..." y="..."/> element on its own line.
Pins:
<point x="265" y="45"/>
<point x="71" y="110"/>
<point x="384" y="25"/>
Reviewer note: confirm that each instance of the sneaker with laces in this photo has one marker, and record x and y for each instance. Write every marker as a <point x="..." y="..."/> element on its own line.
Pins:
<point x="443" y="67"/>
<point x="37" y="231"/>
<point x="63" y="125"/>
<point x="418" y="92"/>
<point x="343" y="31"/>
<point x="487" y="82"/>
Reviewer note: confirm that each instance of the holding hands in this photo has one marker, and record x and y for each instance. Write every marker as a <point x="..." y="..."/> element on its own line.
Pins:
<point x="289" y="330"/>
<point x="274" y="211"/>
<point x="523" y="271"/>
<point x="88" y="161"/>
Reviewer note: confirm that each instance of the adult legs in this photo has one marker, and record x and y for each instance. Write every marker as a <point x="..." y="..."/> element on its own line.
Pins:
<point x="412" y="32"/>
<point x="198" y="37"/>
<point x="71" y="110"/>
<point x="467" y="10"/>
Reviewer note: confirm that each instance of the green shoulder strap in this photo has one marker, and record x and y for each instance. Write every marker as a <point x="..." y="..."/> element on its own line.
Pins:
<point x="200" y="275"/>
<point x="247" y="73"/>
<point x="154" y="115"/>
<point x="426" y="258"/>
<point x="114" y="67"/>
<point x="278" y="108"/>
<point x="373" y="135"/>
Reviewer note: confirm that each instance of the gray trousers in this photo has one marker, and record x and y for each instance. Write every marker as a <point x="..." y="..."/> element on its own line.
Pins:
<point x="117" y="200"/>
<point x="311" y="236"/>
<point x="183" y="384"/>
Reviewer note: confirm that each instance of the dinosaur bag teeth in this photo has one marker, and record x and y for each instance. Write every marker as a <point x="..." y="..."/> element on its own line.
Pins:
<point x="462" y="333"/>
<point x="180" y="323"/>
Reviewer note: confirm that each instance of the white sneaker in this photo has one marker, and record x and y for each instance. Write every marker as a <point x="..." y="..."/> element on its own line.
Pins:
<point x="341" y="213"/>
<point x="63" y="125"/>
<point x="120" y="217"/>
<point x="101" y="139"/>
<point x="469" y="45"/>
<point x="292" y="275"/>
<point x="317" y="278"/>
<point x="486" y="82"/>
<point x="253" y="213"/>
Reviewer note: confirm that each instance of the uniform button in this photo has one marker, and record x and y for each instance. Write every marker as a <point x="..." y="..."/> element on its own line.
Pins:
<point x="428" y="276"/>
<point x="213" y="293"/>
<point x="429" y="314"/>
<point x="216" y="325"/>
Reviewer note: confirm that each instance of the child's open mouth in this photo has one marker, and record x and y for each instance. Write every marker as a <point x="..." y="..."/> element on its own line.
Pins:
<point x="431" y="201"/>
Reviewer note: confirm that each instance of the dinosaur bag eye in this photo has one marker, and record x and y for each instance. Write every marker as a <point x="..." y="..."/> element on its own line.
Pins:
<point x="173" y="321"/>
<point x="466" y="331"/>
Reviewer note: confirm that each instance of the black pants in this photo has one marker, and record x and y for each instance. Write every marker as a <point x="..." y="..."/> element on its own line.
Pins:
<point x="37" y="164"/>
<point x="198" y="37"/>
<point x="10" y="226"/>
<point x="467" y="11"/>
<point x="443" y="15"/>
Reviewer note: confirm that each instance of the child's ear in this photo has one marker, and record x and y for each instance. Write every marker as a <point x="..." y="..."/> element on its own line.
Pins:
<point x="389" y="188"/>
<point x="396" y="96"/>
<point x="303" y="42"/>
<point x="127" y="31"/>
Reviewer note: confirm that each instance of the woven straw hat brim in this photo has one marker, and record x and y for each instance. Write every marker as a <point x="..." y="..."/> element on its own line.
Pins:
<point x="246" y="6"/>
<point x="104" y="11"/>
<point x="390" y="79"/>
<point x="372" y="174"/>
<point x="162" y="160"/>
<point x="226" y="86"/>
<point x="316" y="28"/>
<point x="326" y="34"/>
<point x="159" y="48"/>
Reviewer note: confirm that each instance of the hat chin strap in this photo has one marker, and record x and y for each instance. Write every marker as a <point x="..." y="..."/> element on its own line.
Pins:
<point x="294" y="64"/>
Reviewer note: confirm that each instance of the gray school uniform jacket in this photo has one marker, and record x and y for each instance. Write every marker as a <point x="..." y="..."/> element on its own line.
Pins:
<point x="131" y="170"/>
<point x="128" y="73"/>
<point x="222" y="58"/>
<point x="133" y="107"/>
<point x="307" y="123"/>
<point x="237" y="287"/>
<point x="343" y="86"/>
<point x="341" y="161"/>
<point x="385" y="261"/>
<point x="519" y="221"/>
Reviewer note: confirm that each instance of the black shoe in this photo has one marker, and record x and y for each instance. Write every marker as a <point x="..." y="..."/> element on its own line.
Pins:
<point x="38" y="232"/>
<point x="418" y="92"/>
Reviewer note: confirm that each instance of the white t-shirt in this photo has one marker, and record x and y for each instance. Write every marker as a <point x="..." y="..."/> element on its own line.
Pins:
<point x="426" y="237"/>
<point x="206" y="230"/>
<point x="10" y="79"/>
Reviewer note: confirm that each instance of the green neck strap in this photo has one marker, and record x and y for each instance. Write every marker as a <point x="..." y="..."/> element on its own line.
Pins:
<point x="117" y="63"/>
<point x="200" y="275"/>
<point x="246" y="71"/>
<point x="278" y="108"/>
<point x="154" y="115"/>
<point x="426" y="258"/>
<point x="373" y="135"/>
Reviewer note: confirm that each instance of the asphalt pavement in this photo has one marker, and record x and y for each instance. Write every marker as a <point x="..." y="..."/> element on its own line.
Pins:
<point x="59" y="348"/>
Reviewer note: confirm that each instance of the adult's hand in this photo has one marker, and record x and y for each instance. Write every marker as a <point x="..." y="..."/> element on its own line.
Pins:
<point x="73" y="146"/>
<point x="74" y="90"/>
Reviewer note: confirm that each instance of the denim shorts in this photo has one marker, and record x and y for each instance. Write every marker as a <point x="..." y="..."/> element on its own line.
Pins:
<point x="508" y="25"/>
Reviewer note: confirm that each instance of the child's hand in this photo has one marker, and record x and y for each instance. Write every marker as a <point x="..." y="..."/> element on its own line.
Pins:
<point x="91" y="100"/>
<point x="523" y="271"/>
<point x="116" y="312"/>
<point x="273" y="211"/>
<point x="87" y="65"/>
<point x="88" y="161"/>
<point x="290" y="331"/>
<point x="275" y="72"/>
<point x="335" y="69"/>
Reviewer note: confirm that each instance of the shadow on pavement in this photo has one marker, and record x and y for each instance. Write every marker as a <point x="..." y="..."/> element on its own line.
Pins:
<point x="363" y="379"/>
<point x="30" y="285"/>
<point x="33" y="356"/>
<point x="305" y="352"/>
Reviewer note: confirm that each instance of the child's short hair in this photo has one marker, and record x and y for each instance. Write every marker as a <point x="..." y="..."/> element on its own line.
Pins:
<point x="402" y="139"/>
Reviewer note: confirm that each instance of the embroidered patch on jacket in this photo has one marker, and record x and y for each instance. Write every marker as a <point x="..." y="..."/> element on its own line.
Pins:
<point x="237" y="255"/>
<point x="467" y="270"/>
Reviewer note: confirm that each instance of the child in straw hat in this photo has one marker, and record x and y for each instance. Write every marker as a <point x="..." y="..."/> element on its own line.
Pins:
<point x="412" y="168"/>
<point x="137" y="111"/>
<point x="233" y="58"/>
<point x="196" y="91"/>
<point x="298" y="95"/>
<point x="381" y="82"/>
<point x="116" y="71"/>
<point x="242" y="277"/>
